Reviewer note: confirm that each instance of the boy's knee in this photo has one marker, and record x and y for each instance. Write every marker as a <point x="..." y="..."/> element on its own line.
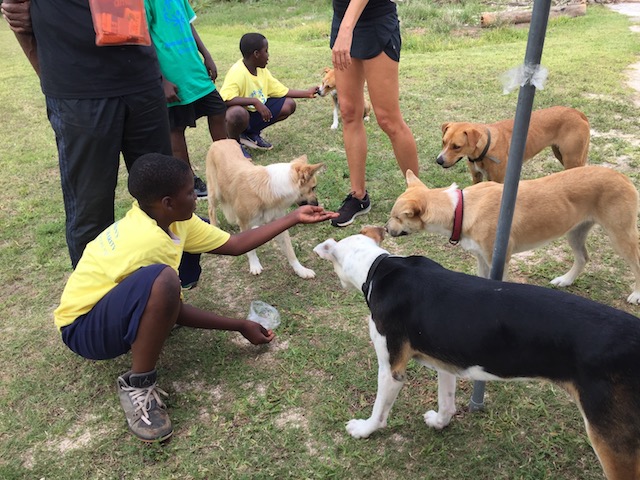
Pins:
<point x="167" y="284"/>
<point x="288" y="108"/>
<point x="237" y="116"/>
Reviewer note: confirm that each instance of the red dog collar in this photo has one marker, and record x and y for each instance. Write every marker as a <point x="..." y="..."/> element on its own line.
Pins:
<point x="457" y="220"/>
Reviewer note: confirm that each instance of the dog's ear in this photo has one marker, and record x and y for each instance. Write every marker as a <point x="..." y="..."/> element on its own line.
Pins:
<point x="371" y="231"/>
<point x="412" y="180"/>
<point x="325" y="249"/>
<point x="445" y="126"/>
<point x="473" y="135"/>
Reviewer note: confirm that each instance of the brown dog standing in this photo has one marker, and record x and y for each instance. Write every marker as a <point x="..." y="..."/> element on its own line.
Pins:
<point x="486" y="146"/>
<point x="328" y="87"/>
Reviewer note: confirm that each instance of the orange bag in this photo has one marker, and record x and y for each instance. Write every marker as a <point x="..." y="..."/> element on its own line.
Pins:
<point x="120" y="22"/>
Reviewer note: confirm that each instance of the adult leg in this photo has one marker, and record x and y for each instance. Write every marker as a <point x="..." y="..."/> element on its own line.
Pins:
<point x="350" y="87"/>
<point x="146" y="126"/>
<point x="381" y="74"/>
<point x="88" y="135"/>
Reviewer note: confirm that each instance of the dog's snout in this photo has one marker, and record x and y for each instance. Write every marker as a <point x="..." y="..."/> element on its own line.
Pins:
<point x="308" y="202"/>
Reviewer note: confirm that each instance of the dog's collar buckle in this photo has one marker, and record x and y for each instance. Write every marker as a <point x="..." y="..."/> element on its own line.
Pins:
<point x="457" y="220"/>
<point x="366" y="286"/>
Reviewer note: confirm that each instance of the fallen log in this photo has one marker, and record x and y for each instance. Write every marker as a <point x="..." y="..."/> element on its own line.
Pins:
<point x="488" y="19"/>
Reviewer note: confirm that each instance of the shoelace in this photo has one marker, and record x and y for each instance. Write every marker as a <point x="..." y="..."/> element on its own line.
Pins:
<point x="142" y="397"/>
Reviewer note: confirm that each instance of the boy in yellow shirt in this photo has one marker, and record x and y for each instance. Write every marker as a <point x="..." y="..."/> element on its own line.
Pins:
<point x="256" y="99"/>
<point x="125" y="292"/>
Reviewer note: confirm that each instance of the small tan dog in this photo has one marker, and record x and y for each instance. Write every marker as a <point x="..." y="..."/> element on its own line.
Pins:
<point x="567" y="203"/>
<point x="251" y="195"/>
<point x="328" y="87"/>
<point x="486" y="146"/>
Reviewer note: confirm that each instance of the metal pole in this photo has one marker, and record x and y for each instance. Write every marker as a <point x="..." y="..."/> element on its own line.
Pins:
<point x="535" y="42"/>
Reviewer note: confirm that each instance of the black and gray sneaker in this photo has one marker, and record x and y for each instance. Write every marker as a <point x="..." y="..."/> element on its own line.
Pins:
<point x="199" y="186"/>
<point x="351" y="207"/>
<point x="145" y="411"/>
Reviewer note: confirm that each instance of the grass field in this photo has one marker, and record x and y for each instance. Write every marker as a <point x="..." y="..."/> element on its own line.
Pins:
<point x="278" y="411"/>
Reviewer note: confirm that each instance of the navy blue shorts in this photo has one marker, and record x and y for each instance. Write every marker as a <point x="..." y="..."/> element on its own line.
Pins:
<point x="370" y="37"/>
<point x="182" y="116"/>
<point x="257" y="124"/>
<point x="109" y="329"/>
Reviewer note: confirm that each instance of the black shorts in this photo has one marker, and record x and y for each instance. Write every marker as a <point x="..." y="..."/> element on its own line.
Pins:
<point x="371" y="37"/>
<point x="183" y="116"/>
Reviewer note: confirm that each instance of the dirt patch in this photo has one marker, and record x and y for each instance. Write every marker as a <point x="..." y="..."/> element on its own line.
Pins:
<point x="633" y="72"/>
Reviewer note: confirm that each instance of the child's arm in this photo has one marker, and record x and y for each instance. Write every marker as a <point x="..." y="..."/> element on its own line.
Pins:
<point x="243" y="242"/>
<point x="208" y="59"/>
<point x="191" y="316"/>
<point x="308" y="93"/>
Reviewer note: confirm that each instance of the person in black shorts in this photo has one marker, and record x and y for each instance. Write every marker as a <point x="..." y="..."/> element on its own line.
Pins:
<point x="189" y="73"/>
<point x="365" y="46"/>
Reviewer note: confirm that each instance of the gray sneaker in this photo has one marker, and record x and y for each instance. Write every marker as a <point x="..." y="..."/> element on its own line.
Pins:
<point x="146" y="413"/>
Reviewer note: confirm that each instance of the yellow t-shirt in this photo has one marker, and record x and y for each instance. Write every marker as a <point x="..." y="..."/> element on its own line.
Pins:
<point x="131" y="243"/>
<point x="240" y="82"/>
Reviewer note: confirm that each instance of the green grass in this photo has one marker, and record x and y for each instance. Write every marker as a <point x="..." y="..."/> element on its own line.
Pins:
<point x="278" y="411"/>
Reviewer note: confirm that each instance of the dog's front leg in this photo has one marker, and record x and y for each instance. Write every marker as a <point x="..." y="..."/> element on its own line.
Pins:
<point x="255" y="267"/>
<point x="388" y="389"/>
<point x="336" y="108"/>
<point x="284" y="241"/>
<point x="446" y="402"/>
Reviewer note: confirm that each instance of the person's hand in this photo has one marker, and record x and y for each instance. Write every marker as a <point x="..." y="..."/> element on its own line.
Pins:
<point x="264" y="111"/>
<point x="313" y="91"/>
<point x="313" y="214"/>
<point x="17" y="15"/>
<point x="212" y="69"/>
<point x="256" y="333"/>
<point x="170" y="91"/>
<point x="341" y="51"/>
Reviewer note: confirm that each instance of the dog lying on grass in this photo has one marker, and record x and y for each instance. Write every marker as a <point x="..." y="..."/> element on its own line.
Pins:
<point x="567" y="203"/>
<point x="471" y="327"/>
<point x="486" y="146"/>
<point x="251" y="195"/>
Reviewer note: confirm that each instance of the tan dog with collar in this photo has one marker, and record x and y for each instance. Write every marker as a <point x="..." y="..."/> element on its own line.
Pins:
<point x="567" y="203"/>
<point x="486" y="146"/>
<point x="328" y="87"/>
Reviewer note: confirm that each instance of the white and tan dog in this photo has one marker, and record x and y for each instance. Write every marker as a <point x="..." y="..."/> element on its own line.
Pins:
<point x="567" y="203"/>
<point x="495" y="331"/>
<point x="328" y="87"/>
<point x="486" y="146"/>
<point x="251" y="195"/>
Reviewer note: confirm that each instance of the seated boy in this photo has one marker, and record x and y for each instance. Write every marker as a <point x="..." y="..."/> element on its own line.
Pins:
<point x="125" y="293"/>
<point x="254" y="98"/>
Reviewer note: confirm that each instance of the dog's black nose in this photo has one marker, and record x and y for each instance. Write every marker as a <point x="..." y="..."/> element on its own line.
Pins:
<point x="440" y="160"/>
<point x="304" y="202"/>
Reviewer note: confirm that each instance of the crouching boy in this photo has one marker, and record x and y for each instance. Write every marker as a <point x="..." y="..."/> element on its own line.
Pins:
<point x="125" y="293"/>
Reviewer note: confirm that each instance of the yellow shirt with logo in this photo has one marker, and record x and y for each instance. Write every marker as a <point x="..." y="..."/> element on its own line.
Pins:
<point x="240" y="82"/>
<point x="131" y="243"/>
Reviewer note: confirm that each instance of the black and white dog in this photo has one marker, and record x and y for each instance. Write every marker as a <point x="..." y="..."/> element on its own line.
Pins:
<point x="471" y="327"/>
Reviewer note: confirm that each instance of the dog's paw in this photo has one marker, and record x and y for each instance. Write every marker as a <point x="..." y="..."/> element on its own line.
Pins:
<point x="634" y="298"/>
<point x="304" y="272"/>
<point x="255" y="269"/>
<point x="334" y="126"/>
<point x="433" y="420"/>
<point x="360" y="428"/>
<point x="562" y="281"/>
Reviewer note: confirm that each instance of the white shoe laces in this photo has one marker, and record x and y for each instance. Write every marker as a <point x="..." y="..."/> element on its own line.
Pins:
<point x="142" y="397"/>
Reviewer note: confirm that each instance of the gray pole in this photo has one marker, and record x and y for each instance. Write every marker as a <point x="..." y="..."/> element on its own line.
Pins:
<point x="535" y="42"/>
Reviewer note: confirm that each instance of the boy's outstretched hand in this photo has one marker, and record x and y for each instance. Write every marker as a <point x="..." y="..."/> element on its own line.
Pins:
<point x="313" y="214"/>
<point x="256" y="333"/>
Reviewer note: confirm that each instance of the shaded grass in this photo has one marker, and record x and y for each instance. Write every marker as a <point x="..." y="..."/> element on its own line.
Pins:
<point x="278" y="411"/>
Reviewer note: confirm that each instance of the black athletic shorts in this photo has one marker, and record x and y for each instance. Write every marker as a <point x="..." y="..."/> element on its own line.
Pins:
<point x="186" y="115"/>
<point x="370" y="37"/>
